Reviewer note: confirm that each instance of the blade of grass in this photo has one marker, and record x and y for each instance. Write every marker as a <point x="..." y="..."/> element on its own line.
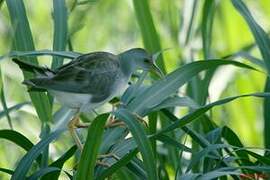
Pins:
<point x="59" y="163"/>
<point x="266" y="114"/>
<point x="90" y="151"/>
<point x="188" y="17"/>
<point x="149" y="33"/>
<point x="8" y="171"/>
<point x="26" y="162"/>
<point x="60" y="30"/>
<point x="23" y="41"/>
<point x="259" y="34"/>
<point x="3" y="101"/>
<point x="13" y="108"/>
<point x="263" y="43"/>
<point x="42" y="172"/>
<point x="200" y="111"/>
<point x="162" y="89"/>
<point x="141" y="140"/>
<point x="16" y="138"/>
<point x="207" y="24"/>
<point x="63" y="54"/>
<point x="120" y="163"/>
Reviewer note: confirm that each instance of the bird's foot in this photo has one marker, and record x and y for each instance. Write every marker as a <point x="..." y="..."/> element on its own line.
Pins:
<point x="100" y="163"/>
<point x="109" y="155"/>
<point x="82" y="125"/>
<point x="140" y="119"/>
<point x="72" y="126"/>
<point x="114" y="123"/>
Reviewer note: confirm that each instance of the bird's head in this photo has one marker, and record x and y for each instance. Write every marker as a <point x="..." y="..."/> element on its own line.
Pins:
<point x="143" y="60"/>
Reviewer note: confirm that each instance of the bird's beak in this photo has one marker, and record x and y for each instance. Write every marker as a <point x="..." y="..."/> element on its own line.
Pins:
<point x="155" y="69"/>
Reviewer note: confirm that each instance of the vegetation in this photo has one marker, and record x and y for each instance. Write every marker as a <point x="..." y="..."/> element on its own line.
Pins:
<point x="207" y="118"/>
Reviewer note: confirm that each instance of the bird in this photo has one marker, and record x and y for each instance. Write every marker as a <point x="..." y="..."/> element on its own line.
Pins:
<point x="89" y="80"/>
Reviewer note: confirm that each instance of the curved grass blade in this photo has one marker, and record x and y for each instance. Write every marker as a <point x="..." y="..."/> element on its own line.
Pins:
<point x="120" y="149"/>
<point x="13" y="108"/>
<point x="23" y="41"/>
<point x="59" y="163"/>
<point x="233" y="139"/>
<point x="120" y="163"/>
<point x="200" y="111"/>
<point x="176" y="101"/>
<point x="137" y="168"/>
<point x="3" y="101"/>
<point x="259" y="34"/>
<point x="91" y="148"/>
<point x="207" y="23"/>
<point x="60" y="30"/>
<point x="168" y="140"/>
<point x="16" y="138"/>
<point x="162" y="89"/>
<point x="266" y="114"/>
<point x="26" y="162"/>
<point x="8" y="171"/>
<point x="148" y="30"/>
<point x="112" y="136"/>
<point x="263" y="43"/>
<point x="141" y="140"/>
<point x="42" y="172"/>
<point x="63" y="54"/>
<point x="234" y="171"/>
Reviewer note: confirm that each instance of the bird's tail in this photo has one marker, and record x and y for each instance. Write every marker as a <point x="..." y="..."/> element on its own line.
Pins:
<point x="39" y="71"/>
<point x="34" y="84"/>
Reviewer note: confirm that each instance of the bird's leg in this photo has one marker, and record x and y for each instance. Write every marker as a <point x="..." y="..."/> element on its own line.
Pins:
<point x="140" y="119"/>
<point x="72" y="125"/>
<point x="109" y="155"/>
<point x="112" y="122"/>
<point x="102" y="164"/>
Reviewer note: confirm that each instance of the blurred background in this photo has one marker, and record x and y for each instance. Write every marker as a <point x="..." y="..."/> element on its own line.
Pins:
<point x="107" y="25"/>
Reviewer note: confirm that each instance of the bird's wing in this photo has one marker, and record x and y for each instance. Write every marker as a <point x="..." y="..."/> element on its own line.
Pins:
<point x="93" y="73"/>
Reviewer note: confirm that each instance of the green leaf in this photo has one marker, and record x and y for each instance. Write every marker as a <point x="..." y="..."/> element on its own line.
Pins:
<point x="60" y="30"/>
<point x="141" y="140"/>
<point x="233" y="171"/>
<point x="59" y="163"/>
<point x="16" y="138"/>
<point x="148" y="30"/>
<point x="3" y="101"/>
<point x="200" y="111"/>
<point x="207" y="23"/>
<point x="63" y="54"/>
<point x="189" y="11"/>
<point x="23" y="41"/>
<point x="13" y="108"/>
<point x="42" y="172"/>
<point x="259" y="34"/>
<point x="26" y="162"/>
<point x="168" y="140"/>
<point x="203" y="154"/>
<point x="120" y="163"/>
<point x="91" y="148"/>
<point x="266" y="114"/>
<point x="263" y="43"/>
<point x="111" y="136"/>
<point x="162" y="89"/>
<point x="234" y="140"/>
<point x="176" y="101"/>
<point x="8" y="171"/>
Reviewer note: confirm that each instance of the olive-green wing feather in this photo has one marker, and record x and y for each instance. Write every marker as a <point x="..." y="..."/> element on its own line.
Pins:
<point x="93" y="73"/>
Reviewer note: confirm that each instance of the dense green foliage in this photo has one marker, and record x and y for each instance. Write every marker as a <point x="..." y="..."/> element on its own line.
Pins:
<point x="218" y="56"/>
